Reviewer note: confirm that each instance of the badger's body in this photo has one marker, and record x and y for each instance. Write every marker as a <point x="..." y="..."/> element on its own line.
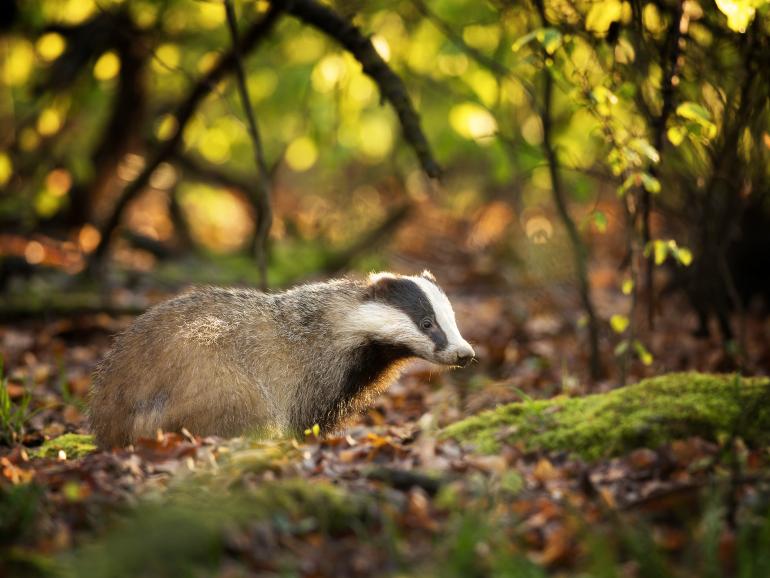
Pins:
<point x="231" y="361"/>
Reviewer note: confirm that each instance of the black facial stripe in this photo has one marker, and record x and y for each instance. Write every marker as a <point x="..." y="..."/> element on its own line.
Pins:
<point x="439" y="337"/>
<point x="406" y="295"/>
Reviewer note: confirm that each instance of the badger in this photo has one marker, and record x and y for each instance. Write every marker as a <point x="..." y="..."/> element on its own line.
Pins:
<point x="228" y="362"/>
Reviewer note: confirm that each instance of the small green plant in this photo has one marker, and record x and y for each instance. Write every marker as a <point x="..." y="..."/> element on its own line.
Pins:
<point x="13" y="416"/>
<point x="67" y="395"/>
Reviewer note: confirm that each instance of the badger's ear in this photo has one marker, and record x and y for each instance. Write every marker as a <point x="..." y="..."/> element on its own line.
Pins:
<point x="378" y="284"/>
<point x="428" y="275"/>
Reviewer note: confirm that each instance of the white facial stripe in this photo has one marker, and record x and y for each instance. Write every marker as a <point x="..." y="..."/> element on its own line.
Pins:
<point x="445" y="315"/>
<point x="380" y="320"/>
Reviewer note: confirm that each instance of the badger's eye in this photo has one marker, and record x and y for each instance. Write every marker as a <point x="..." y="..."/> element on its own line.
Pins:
<point x="426" y="323"/>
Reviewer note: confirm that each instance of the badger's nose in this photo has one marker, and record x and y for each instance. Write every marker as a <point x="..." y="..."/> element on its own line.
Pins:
<point x="465" y="356"/>
<point x="464" y="360"/>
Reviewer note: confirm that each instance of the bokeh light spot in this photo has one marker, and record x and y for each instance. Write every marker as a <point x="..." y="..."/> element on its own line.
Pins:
<point x="6" y="169"/>
<point x="107" y="67"/>
<point x="34" y="253"/>
<point x="50" y="46"/>
<point x="473" y="122"/>
<point x="49" y="122"/>
<point x="301" y="154"/>
<point x="18" y="62"/>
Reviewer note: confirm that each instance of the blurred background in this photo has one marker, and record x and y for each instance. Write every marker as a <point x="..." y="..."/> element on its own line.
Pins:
<point x="604" y="165"/>
<point x="587" y="179"/>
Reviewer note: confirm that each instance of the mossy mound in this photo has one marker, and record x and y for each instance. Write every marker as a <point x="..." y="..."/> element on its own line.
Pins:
<point x="646" y="414"/>
<point x="74" y="445"/>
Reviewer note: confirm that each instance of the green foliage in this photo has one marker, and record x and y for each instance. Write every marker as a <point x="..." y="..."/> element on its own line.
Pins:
<point x="13" y="415"/>
<point x="646" y="414"/>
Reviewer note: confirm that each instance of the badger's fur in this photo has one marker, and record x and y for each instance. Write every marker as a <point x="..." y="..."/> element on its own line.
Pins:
<point x="231" y="361"/>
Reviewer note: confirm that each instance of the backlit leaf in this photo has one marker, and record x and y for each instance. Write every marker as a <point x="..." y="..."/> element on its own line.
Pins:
<point x="739" y="13"/>
<point x="694" y="111"/>
<point x="602" y="14"/>
<point x="644" y="355"/>
<point x="627" y="287"/>
<point x="676" y="135"/>
<point x="619" y="323"/>
<point x="550" y="38"/>
<point x="651" y="184"/>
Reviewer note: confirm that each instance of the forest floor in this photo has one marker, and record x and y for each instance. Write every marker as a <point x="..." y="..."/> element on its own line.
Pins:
<point x="668" y="479"/>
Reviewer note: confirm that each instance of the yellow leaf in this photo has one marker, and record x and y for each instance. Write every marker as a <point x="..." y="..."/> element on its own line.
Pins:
<point x="739" y="13"/>
<point x="619" y="323"/>
<point x="676" y="135"/>
<point x="381" y="46"/>
<point x="602" y="14"/>
<point x="641" y="351"/>
<point x="660" y="250"/>
<point x="684" y="255"/>
<point x="166" y="127"/>
<point x="627" y="287"/>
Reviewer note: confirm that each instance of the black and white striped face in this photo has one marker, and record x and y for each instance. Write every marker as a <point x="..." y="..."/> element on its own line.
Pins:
<point x="413" y="312"/>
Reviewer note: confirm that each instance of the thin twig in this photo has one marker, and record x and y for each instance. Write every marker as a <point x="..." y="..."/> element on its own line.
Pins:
<point x="659" y="130"/>
<point x="579" y="249"/>
<point x="369" y="241"/>
<point x="264" y="217"/>
<point x="391" y="86"/>
<point x="489" y="63"/>
<point x="184" y="112"/>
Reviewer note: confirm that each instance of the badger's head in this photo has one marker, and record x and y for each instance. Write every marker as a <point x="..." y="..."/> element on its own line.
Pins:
<point x="412" y="313"/>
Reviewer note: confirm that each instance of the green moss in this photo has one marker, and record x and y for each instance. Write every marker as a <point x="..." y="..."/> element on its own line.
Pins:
<point x="74" y="445"/>
<point x="646" y="414"/>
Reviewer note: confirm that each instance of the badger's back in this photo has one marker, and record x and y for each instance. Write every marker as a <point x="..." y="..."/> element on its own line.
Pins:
<point x="182" y="364"/>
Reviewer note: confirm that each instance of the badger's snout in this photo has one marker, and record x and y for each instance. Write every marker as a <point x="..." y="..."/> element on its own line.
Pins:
<point x="460" y="355"/>
<point x="464" y="360"/>
<point x="465" y="355"/>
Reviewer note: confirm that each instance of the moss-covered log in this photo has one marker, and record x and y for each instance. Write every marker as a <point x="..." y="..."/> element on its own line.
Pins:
<point x="647" y="414"/>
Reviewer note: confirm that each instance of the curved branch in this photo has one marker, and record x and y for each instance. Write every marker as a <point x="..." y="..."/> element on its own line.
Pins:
<point x="184" y="112"/>
<point x="391" y="87"/>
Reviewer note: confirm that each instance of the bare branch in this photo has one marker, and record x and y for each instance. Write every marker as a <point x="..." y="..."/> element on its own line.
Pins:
<point x="184" y="112"/>
<point x="264" y="217"/>
<point x="202" y="171"/>
<point x="579" y="249"/>
<point x="489" y="63"/>
<point x="674" y="45"/>
<point x="391" y="87"/>
<point x="384" y="230"/>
